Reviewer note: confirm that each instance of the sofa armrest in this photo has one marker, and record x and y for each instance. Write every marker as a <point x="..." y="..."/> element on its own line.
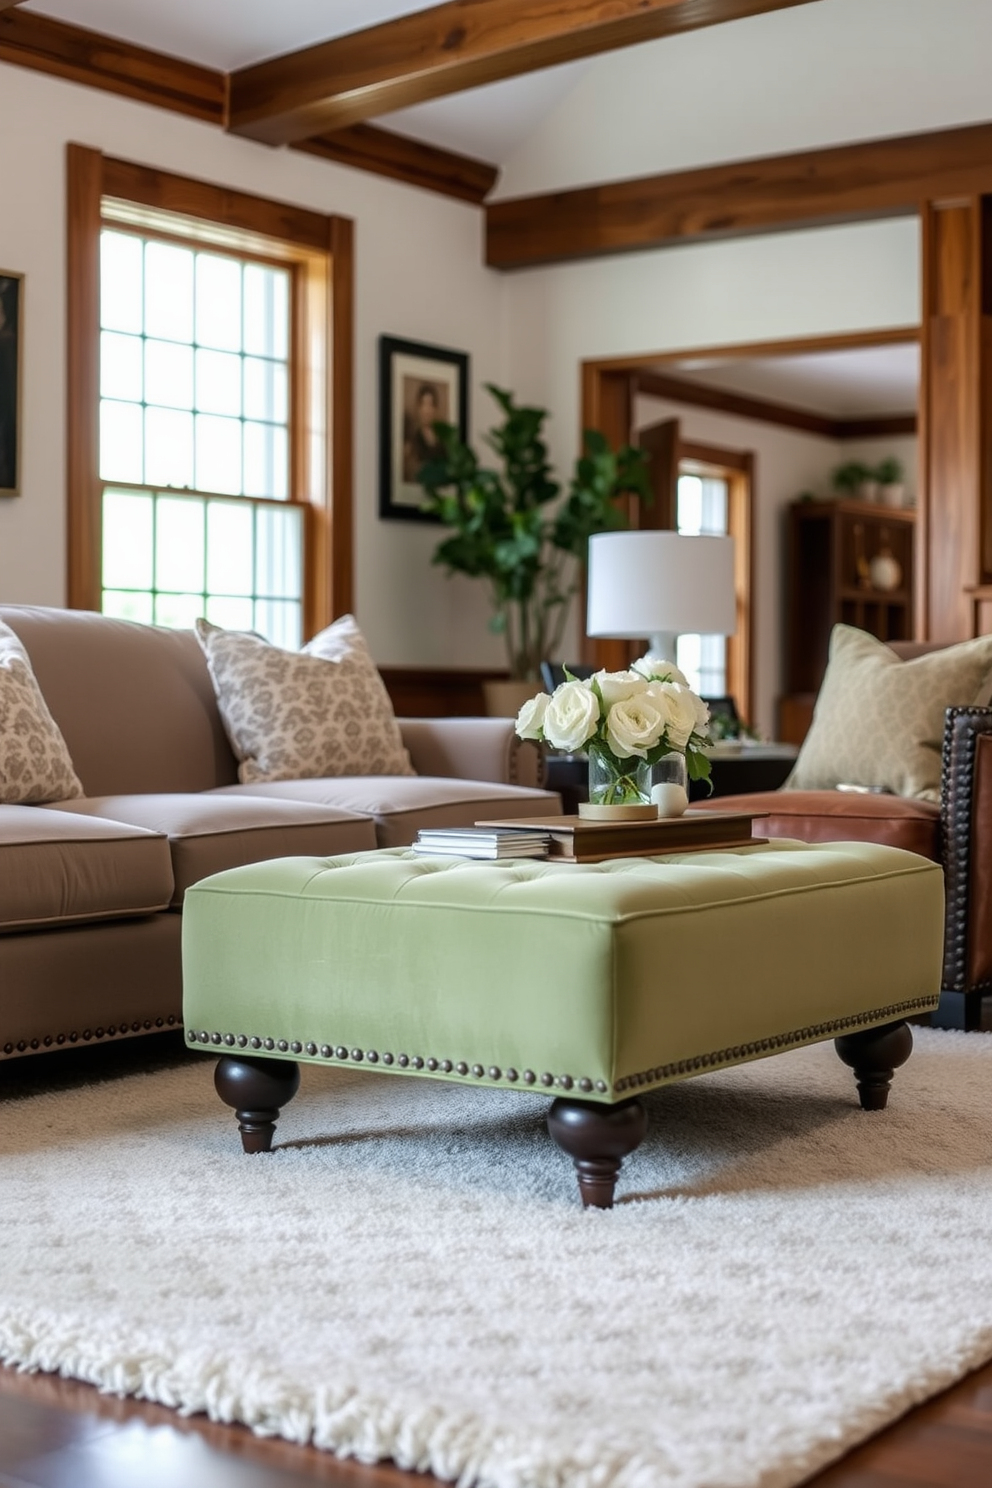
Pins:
<point x="966" y="824"/>
<point x="473" y="749"/>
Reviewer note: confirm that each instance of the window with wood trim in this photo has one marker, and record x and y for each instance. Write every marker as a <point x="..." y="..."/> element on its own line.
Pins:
<point x="209" y="465"/>
<point x="705" y="489"/>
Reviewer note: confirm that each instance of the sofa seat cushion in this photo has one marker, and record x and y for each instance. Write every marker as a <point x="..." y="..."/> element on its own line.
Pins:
<point x="841" y="816"/>
<point x="208" y="832"/>
<point x="401" y="805"/>
<point x="57" y="869"/>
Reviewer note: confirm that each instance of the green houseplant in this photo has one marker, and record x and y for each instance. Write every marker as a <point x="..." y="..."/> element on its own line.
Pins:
<point x="510" y="529"/>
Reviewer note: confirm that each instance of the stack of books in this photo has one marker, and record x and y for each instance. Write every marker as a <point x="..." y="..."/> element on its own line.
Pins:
<point x="482" y="842"/>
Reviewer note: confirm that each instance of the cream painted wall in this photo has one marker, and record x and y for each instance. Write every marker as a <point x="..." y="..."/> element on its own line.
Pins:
<point x="419" y="275"/>
<point x="787" y="463"/>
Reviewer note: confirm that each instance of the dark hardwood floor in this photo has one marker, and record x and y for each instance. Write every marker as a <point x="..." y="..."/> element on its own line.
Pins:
<point x="57" y="1433"/>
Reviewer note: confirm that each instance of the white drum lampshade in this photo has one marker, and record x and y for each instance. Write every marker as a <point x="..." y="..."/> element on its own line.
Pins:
<point x="660" y="585"/>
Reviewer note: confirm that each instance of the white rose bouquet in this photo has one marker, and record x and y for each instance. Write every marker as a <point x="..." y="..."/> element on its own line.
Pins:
<point x="627" y="719"/>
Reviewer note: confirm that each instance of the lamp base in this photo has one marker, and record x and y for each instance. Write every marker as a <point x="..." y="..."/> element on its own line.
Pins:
<point x="663" y="643"/>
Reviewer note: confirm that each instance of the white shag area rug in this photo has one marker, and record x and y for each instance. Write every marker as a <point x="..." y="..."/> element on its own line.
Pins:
<point x="410" y="1273"/>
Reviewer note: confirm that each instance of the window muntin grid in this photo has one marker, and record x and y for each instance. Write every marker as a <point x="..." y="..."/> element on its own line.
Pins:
<point x="194" y="369"/>
<point x="702" y="508"/>
<point x="194" y="384"/>
<point x="169" y="558"/>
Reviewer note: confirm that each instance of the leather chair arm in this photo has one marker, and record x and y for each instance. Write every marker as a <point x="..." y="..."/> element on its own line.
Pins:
<point x="966" y="829"/>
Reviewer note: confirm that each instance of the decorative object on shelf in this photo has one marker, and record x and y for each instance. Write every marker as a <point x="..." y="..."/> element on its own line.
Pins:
<point x="660" y="584"/>
<point x="502" y="533"/>
<point x="419" y="386"/>
<point x="11" y="308"/>
<point x="862" y="568"/>
<point x="670" y="785"/>
<point x="627" y="722"/>
<point x="891" y="490"/>
<point x="856" y="479"/>
<point x="885" y="569"/>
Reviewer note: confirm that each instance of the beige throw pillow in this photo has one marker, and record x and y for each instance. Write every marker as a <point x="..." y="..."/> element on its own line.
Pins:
<point x="34" y="761"/>
<point x="303" y="715"/>
<point x="879" y="720"/>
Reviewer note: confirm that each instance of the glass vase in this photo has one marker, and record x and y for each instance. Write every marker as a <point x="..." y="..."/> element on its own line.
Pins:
<point x="618" y="788"/>
<point x="670" y="785"/>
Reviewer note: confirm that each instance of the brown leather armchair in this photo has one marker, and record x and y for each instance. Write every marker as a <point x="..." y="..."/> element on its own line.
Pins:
<point x="957" y="833"/>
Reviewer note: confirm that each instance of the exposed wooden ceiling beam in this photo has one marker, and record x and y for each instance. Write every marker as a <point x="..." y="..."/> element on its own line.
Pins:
<point x="405" y="159"/>
<point x="676" y="389"/>
<point x="850" y="183"/>
<point x="87" y="57"/>
<point x="61" y="50"/>
<point x="445" y="49"/>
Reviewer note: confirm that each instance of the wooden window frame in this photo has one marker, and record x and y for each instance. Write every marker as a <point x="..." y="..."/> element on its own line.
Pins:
<point x="319" y="250"/>
<point x="737" y="468"/>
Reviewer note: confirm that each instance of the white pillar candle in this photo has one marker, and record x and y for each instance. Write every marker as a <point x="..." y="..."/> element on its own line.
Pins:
<point x="670" y="799"/>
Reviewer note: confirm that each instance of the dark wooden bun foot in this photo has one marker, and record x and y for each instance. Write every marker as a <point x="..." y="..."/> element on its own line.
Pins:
<point x="597" y="1139"/>
<point x="874" y="1056"/>
<point x="257" y="1089"/>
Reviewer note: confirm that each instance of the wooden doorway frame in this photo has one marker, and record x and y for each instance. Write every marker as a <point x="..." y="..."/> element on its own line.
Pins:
<point x="609" y="388"/>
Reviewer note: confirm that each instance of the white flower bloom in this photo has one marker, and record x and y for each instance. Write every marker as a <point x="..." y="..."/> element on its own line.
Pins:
<point x="634" y="726"/>
<point x="530" y="719"/>
<point x="617" y="687"/>
<point x="656" y="668"/>
<point x="571" y="716"/>
<point x="679" y="706"/>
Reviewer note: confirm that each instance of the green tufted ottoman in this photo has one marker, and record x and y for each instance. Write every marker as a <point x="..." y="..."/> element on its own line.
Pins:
<point x="593" y="982"/>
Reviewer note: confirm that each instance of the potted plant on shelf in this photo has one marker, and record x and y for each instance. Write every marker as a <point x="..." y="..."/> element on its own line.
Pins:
<point x="889" y="475"/>
<point x="856" y="479"/>
<point x="510" y="529"/>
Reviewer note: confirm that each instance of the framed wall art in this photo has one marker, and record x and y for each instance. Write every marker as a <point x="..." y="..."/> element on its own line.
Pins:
<point x="418" y="386"/>
<point x="11" y="315"/>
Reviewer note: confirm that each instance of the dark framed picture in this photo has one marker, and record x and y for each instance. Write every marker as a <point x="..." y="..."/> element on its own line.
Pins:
<point x="11" y="314"/>
<point x="419" y="386"/>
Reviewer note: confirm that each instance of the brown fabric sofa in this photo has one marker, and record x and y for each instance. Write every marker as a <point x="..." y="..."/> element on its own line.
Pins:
<point x="90" y="889"/>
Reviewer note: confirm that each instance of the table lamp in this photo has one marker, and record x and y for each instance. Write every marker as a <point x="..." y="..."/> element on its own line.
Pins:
<point x="660" y="585"/>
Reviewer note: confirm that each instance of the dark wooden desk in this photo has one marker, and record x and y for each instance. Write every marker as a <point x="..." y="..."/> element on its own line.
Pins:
<point x="760" y="767"/>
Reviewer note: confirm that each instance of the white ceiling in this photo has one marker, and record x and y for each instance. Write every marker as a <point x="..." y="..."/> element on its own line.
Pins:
<point x="226" y="34"/>
<point x="867" y="381"/>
